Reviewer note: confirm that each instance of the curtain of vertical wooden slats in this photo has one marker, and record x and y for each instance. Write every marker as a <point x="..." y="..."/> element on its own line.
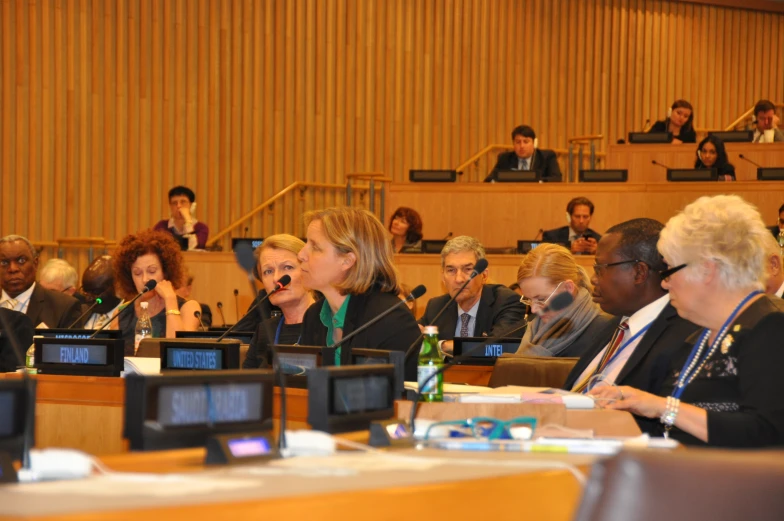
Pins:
<point x="105" y="104"/>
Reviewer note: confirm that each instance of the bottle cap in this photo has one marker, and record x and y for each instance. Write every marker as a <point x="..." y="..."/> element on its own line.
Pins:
<point x="431" y="330"/>
<point x="144" y="305"/>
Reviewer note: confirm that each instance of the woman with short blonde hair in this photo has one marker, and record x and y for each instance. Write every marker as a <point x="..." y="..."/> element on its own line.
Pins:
<point x="546" y="271"/>
<point x="348" y="258"/>
<point x="723" y="384"/>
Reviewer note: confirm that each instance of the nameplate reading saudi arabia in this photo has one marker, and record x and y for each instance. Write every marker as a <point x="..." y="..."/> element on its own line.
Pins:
<point x="61" y="353"/>
<point x="183" y="358"/>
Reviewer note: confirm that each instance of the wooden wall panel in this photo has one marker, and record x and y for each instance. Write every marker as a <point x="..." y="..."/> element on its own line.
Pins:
<point x="105" y="104"/>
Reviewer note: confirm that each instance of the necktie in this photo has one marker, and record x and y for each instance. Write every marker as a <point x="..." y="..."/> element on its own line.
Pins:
<point x="9" y="304"/>
<point x="615" y="343"/>
<point x="100" y="321"/>
<point x="464" y="319"/>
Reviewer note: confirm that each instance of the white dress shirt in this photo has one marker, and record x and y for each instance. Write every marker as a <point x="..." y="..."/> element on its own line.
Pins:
<point x="22" y="299"/>
<point x="637" y="322"/>
<point x="780" y="292"/>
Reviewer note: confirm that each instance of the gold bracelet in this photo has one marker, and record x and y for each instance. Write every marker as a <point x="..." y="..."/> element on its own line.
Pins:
<point x="173" y="312"/>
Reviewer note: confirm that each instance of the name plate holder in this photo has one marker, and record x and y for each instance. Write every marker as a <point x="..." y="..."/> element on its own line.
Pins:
<point x="345" y="399"/>
<point x="199" y="355"/>
<point x="484" y="355"/>
<point x="79" y="356"/>
<point x="297" y="362"/>
<point x="187" y="408"/>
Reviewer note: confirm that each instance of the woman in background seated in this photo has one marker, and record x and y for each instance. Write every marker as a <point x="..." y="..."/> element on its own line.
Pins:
<point x="680" y="121"/>
<point x="277" y="256"/>
<point x="348" y="258"/>
<point x="150" y="255"/>
<point x="545" y="272"/>
<point x="724" y="384"/>
<point x="406" y="229"/>
<point x="712" y="154"/>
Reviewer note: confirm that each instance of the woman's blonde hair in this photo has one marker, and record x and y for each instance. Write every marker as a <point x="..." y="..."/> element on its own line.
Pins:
<point x="357" y="231"/>
<point x="554" y="263"/>
<point x="723" y="229"/>
<point x="281" y="241"/>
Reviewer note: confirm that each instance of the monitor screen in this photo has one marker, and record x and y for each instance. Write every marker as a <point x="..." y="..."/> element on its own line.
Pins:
<point x="7" y="413"/>
<point x="209" y="404"/>
<point x="184" y="358"/>
<point x="297" y="363"/>
<point x="360" y="394"/>
<point x="249" y="447"/>
<point x="62" y="353"/>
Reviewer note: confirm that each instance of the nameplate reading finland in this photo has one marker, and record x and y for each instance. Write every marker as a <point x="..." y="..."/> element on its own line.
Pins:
<point x="183" y="358"/>
<point x="73" y="354"/>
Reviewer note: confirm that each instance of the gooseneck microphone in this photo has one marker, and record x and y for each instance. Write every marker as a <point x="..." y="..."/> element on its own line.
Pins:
<point x="284" y="281"/>
<point x="415" y="294"/>
<point x="559" y="302"/>
<point x="220" y="308"/>
<point x="197" y="314"/>
<point x="29" y="384"/>
<point x="237" y="304"/>
<point x="480" y="267"/>
<point x="245" y="232"/>
<point x="539" y="233"/>
<point x="447" y="236"/>
<point x="653" y="161"/>
<point x="750" y="161"/>
<point x="147" y="287"/>
<point x="98" y="301"/>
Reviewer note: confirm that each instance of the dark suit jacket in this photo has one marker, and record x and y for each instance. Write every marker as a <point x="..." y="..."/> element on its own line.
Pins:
<point x="22" y="327"/>
<point x="561" y="235"/>
<point x="545" y="163"/>
<point x="499" y="311"/>
<point x="53" y="308"/>
<point x="775" y="230"/>
<point x="647" y="367"/>
<point x="601" y="329"/>
<point x="686" y="136"/>
<point x="394" y="333"/>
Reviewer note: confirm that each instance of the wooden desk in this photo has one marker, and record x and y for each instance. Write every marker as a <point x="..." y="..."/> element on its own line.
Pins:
<point x="637" y="159"/>
<point x="499" y="214"/>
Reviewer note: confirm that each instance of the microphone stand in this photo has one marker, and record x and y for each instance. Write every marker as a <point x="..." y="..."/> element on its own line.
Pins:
<point x="86" y="313"/>
<point x="220" y="308"/>
<point x="197" y="314"/>
<point x="148" y="287"/>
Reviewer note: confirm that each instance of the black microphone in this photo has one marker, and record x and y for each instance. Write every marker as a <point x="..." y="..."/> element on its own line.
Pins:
<point x="245" y="233"/>
<point x="539" y="233"/>
<point x="448" y="236"/>
<point x="29" y="384"/>
<point x="480" y="267"/>
<point x="236" y="304"/>
<point x="197" y="314"/>
<point x="87" y="313"/>
<point x="220" y="308"/>
<point x="247" y="261"/>
<point x="558" y="302"/>
<point x="147" y="287"/>
<point x="750" y="161"/>
<point x="659" y="164"/>
<point x="415" y="294"/>
<point x="284" y="281"/>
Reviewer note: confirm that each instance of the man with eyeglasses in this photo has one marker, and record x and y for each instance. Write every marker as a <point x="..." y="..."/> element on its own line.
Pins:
<point x="627" y="283"/>
<point x="59" y="275"/>
<point x="481" y="309"/>
<point x="778" y="228"/>
<point x="18" y="267"/>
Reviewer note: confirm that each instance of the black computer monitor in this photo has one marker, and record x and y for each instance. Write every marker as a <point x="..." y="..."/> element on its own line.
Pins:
<point x="432" y="176"/>
<point x="253" y="242"/>
<point x="524" y="246"/>
<point x="181" y="410"/>
<point x="17" y="413"/>
<point x="692" y="174"/>
<point x="734" y="136"/>
<point x="362" y="356"/>
<point x="483" y="351"/>
<point x="517" y="176"/>
<point x="770" y="174"/>
<point x="433" y="246"/>
<point x="603" y="176"/>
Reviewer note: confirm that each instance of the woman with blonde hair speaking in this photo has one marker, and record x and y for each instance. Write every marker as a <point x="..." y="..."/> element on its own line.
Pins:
<point x="724" y="383"/>
<point x="547" y="270"/>
<point x="348" y="258"/>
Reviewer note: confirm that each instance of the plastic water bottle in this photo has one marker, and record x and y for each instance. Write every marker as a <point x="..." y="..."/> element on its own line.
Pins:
<point x="30" y="360"/>
<point x="429" y="362"/>
<point x="143" y="327"/>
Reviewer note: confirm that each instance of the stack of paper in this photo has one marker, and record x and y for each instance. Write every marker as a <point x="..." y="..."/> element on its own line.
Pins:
<point x="141" y="365"/>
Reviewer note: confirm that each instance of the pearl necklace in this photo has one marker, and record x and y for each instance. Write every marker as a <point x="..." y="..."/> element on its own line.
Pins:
<point x="688" y="372"/>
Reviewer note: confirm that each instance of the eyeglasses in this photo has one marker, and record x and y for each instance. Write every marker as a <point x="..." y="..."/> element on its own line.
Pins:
<point x="539" y="302"/>
<point x="666" y="274"/>
<point x="599" y="268"/>
<point x="483" y="427"/>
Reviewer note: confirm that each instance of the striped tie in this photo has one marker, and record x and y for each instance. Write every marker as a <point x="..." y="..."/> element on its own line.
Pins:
<point x="615" y="343"/>
<point x="9" y="304"/>
<point x="464" y="318"/>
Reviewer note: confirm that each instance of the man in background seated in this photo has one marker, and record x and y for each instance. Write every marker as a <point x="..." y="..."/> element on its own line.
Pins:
<point x="774" y="284"/>
<point x="191" y="233"/>
<point x="627" y="284"/>
<point x="777" y="228"/>
<point x="58" y="275"/>
<point x="98" y="281"/>
<point x="21" y="327"/>
<point x="765" y="112"/>
<point x="184" y="291"/>
<point x="526" y="156"/>
<point x="577" y="235"/>
<point x="481" y="309"/>
<point x="18" y="266"/>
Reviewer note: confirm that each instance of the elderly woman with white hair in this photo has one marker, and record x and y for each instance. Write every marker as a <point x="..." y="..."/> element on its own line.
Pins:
<point x="723" y="387"/>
